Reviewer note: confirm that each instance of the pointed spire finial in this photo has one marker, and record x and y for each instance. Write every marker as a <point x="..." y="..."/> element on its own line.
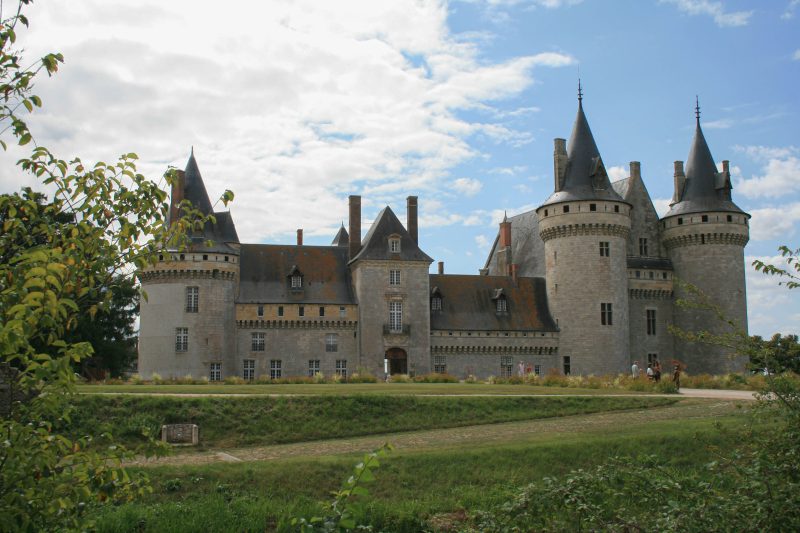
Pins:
<point x="580" y="91"/>
<point x="505" y="216"/>
<point x="697" y="108"/>
<point x="192" y="153"/>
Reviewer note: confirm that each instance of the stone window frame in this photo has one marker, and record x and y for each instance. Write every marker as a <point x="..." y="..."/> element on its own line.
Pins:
<point x="341" y="368"/>
<point x="275" y="368"/>
<point x="248" y="369"/>
<point x="396" y="315"/>
<point x="258" y="341"/>
<point x="321" y="310"/>
<point x="297" y="281"/>
<point x="394" y="277"/>
<point x="394" y="244"/>
<point x="342" y="311"/>
<point x="280" y="310"/>
<point x="215" y="371"/>
<point x="313" y="367"/>
<point x="331" y="342"/>
<point x="650" y="318"/>
<point x="260" y="311"/>
<point x="181" y="339"/>
<point x="643" y="246"/>
<point x="192" y="299"/>
<point x="440" y="364"/>
<point x="301" y="311"/>
<point x="606" y="314"/>
<point x="537" y="370"/>
<point x="436" y="303"/>
<point x="566" y="361"/>
<point x="605" y="249"/>
<point x="506" y="366"/>
<point x="501" y="305"/>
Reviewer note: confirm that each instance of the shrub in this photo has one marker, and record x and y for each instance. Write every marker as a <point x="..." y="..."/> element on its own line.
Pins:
<point x="365" y="377"/>
<point x="400" y="378"/>
<point x="234" y="380"/>
<point x="156" y="379"/>
<point x="436" y="378"/>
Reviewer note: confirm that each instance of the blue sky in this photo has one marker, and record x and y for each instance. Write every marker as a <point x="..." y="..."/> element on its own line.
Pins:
<point x="295" y="105"/>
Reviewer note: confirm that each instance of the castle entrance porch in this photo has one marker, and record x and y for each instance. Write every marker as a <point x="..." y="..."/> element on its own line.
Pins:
<point x="398" y="361"/>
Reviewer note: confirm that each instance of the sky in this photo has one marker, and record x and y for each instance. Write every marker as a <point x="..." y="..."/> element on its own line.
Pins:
<point x="294" y="105"/>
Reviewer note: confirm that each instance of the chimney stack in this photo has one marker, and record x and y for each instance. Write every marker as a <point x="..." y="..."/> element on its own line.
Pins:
<point x="441" y="267"/>
<point x="680" y="182"/>
<point x="559" y="163"/>
<point x="355" y="226"/>
<point x="505" y="233"/>
<point x="176" y="196"/>
<point x="636" y="170"/>
<point x="726" y="166"/>
<point x="299" y="237"/>
<point x="514" y="267"/>
<point x="411" y="216"/>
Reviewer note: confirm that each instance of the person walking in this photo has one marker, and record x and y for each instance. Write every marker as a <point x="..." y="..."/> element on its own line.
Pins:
<point x="635" y="370"/>
<point x="676" y="377"/>
<point x="657" y="371"/>
<point x="650" y="373"/>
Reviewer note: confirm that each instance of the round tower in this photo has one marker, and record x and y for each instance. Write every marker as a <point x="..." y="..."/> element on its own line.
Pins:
<point x="187" y="320"/>
<point x="705" y="233"/>
<point x="585" y="226"/>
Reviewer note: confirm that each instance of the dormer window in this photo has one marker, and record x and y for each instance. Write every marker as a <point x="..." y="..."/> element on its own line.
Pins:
<point x="501" y="303"/>
<point x="436" y="299"/>
<point x="295" y="278"/>
<point x="394" y="245"/>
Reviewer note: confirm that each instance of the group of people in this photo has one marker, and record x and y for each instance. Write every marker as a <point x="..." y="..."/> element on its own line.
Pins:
<point x="653" y="372"/>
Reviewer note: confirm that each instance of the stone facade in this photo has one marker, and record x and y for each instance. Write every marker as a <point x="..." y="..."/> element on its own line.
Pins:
<point x="585" y="283"/>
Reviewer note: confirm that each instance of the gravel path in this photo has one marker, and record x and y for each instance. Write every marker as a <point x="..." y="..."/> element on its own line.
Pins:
<point x="481" y="435"/>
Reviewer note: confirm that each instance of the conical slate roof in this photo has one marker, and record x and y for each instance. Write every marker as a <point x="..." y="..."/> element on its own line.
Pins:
<point x="342" y="238"/>
<point x="706" y="189"/>
<point x="376" y="243"/>
<point x="586" y="177"/>
<point x="195" y="189"/>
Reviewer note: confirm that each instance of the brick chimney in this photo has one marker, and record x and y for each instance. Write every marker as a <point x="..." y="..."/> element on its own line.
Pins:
<point x="504" y="248"/>
<point x="636" y="170"/>
<point x="176" y="196"/>
<point x="680" y="181"/>
<point x="355" y="225"/>
<point x="513" y="268"/>
<point x="559" y="163"/>
<point x="300" y="237"/>
<point x="441" y="267"/>
<point x="411" y="212"/>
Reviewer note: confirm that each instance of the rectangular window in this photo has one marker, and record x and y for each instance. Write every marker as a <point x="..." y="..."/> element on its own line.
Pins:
<point x="642" y="246"/>
<point x="566" y="209"/>
<point x="215" y="372"/>
<point x="704" y="218"/>
<point x="257" y="342"/>
<point x="313" y="367"/>
<point x="604" y="249"/>
<point x="592" y="207"/>
<point x="275" y="368"/>
<point x="502" y="305"/>
<point x="605" y="314"/>
<point x="506" y="366"/>
<point x="260" y="311"/>
<point x="280" y="310"/>
<point x="321" y="310"/>
<point x="439" y="364"/>
<point x="436" y="303"/>
<point x="342" y="312"/>
<point x="301" y="311"/>
<point x="651" y="321"/>
<point x="652" y="358"/>
<point x="181" y="339"/>
<point x="341" y="367"/>
<point x="394" y="277"/>
<point x="567" y="366"/>
<point x="192" y="299"/>
<point x="394" y="246"/>
<point x="537" y="370"/>
<point x="396" y="316"/>
<point x="297" y="282"/>
<point x="249" y="369"/>
<point x="332" y="342"/>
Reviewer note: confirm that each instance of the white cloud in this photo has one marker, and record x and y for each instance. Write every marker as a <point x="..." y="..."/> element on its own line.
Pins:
<point x="617" y="173"/>
<point x="483" y="242"/>
<point x="781" y="172"/>
<point x="716" y="10"/>
<point x="467" y="186"/>
<point x="788" y="13"/>
<point x="774" y="222"/>
<point x="796" y="55"/>
<point x="661" y="205"/>
<point x="294" y="110"/>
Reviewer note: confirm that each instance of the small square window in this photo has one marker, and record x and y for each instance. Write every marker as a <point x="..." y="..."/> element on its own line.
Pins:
<point x="280" y="310"/>
<point x="605" y="249"/>
<point x="638" y="274"/>
<point x="439" y="364"/>
<point x="592" y="207"/>
<point x="321" y="310"/>
<point x="394" y="245"/>
<point x="730" y="218"/>
<point x="301" y="311"/>
<point x="566" y="209"/>
<point x="616" y="209"/>
<point x="704" y="218"/>
<point x="260" y="311"/>
<point x="680" y="221"/>
<point x="342" y="311"/>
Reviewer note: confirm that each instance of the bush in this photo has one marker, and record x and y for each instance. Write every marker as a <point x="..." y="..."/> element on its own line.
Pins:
<point x="436" y="378"/>
<point x="362" y="377"/>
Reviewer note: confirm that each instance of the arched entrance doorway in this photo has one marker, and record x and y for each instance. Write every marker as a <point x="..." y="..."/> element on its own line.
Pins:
<point x="398" y="361"/>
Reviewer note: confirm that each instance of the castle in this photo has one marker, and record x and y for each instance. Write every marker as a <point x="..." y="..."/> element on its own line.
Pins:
<point x="585" y="283"/>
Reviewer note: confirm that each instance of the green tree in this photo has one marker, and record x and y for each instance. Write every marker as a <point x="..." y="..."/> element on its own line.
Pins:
<point x="62" y="258"/>
<point x="779" y="354"/>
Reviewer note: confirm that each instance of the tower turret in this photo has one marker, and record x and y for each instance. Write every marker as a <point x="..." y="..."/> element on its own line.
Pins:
<point x="585" y="225"/>
<point x="705" y="233"/>
<point x="191" y="294"/>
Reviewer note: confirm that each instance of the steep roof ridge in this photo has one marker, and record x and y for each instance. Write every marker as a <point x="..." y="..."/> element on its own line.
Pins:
<point x="195" y="189"/>
<point x="375" y="246"/>
<point x="342" y="238"/>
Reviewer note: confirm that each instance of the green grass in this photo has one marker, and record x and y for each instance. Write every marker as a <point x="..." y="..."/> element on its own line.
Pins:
<point x="411" y="486"/>
<point x="263" y="420"/>
<point x="345" y="389"/>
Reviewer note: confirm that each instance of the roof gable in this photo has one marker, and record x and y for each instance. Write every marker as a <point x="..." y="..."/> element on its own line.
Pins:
<point x="376" y="243"/>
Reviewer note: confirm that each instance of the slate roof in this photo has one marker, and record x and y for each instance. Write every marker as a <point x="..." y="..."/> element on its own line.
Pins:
<point x="706" y="189"/>
<point x="342" y="238"/>
<point x="376" y="243"/>
<point x="265" y="271"/>
<point x="195" y="189"/>
<point x="527" y="248"/>
<point x="586" y="177"/>
<point x="468" y="304"/>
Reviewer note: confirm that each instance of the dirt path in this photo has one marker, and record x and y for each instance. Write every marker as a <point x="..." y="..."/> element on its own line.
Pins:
<point x="481" y="435"/>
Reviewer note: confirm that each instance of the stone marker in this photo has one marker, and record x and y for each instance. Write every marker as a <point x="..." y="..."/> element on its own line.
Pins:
<point x="180" y="434"/>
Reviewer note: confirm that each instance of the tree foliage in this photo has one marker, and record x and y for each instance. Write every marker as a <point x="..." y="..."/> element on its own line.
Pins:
<point x="60" y="262"/>
<point x="790" y="274"/>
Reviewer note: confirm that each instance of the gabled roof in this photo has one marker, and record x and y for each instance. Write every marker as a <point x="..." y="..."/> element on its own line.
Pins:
<point x="586" y="177"/>
<point x="342" y="238"/>
<point x="706" y="189"/>
<point x="469" y="303"/>
<point x="376" y="243"/>
<point x="527" y="247"/>
<point x="265" y="270"/>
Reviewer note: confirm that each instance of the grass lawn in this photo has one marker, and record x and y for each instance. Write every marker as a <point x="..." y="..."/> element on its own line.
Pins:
<point x="263" y="420"/>
<point x="346" y="389"/>
<point x="412" y="486"/>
